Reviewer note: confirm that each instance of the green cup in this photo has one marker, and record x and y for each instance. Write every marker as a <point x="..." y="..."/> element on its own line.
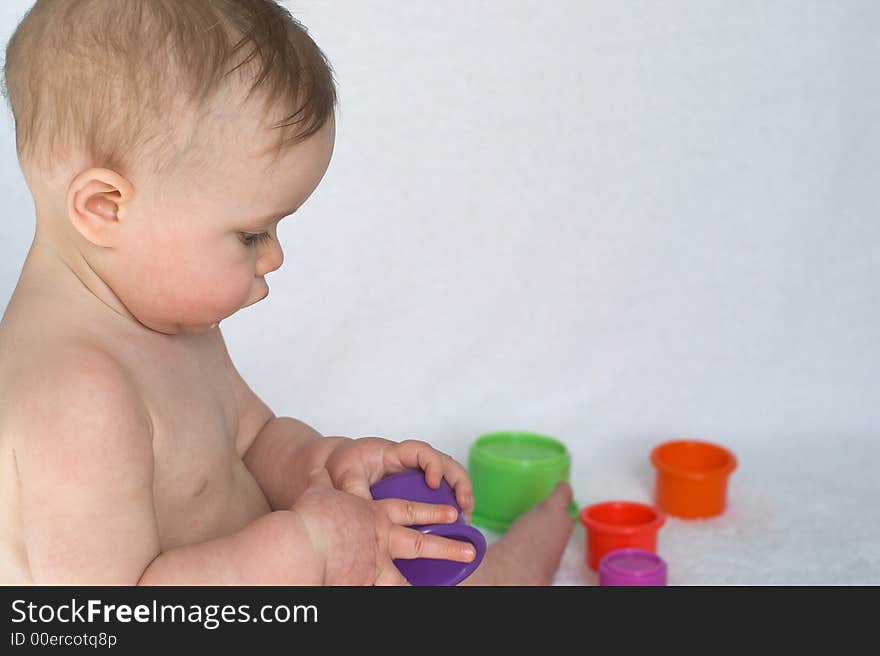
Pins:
<point x="512" y="472"/>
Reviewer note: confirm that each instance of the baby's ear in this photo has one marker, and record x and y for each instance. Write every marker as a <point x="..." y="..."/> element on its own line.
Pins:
<point x="94" y="203"/>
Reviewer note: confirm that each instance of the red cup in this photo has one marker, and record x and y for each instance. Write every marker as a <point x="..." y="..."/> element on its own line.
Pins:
<point x="617" y="525"/>
<point x="692" y="477"/>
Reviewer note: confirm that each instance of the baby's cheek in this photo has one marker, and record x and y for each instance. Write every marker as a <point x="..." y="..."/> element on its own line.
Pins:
<point x="150" y="288"/>
<point x="213" y="290"/>
<point x="229" y="295"/>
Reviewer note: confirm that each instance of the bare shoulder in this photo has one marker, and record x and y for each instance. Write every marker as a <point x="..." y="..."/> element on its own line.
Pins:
<point x="76" y="399"/>
<point x="77" y="380"/>
<point x="82" y="440"/>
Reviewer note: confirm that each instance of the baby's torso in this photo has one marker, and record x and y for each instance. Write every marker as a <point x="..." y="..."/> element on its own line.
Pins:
<point x="201" y="487"/>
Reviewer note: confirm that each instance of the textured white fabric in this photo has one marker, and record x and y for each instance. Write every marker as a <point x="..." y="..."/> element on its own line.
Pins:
<point x="799" y="512"/>
<point x="613" y="222"/>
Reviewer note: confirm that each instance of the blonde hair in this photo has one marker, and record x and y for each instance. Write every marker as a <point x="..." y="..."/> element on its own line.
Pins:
<point x="113" y="80"/>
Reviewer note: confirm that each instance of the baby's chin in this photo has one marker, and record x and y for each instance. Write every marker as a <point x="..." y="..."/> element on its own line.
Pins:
<point x="257" y="299"/>
<point x="208" y="327"/>
<point x="201" y="328"/>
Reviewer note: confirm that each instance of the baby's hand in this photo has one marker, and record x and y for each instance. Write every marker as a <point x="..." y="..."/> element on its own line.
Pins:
<point x="355" y="465"/>
<point x="360" y="538"/>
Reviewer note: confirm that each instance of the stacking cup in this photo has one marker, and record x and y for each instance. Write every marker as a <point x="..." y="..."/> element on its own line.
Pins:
<point x="619" y="524"/>
<point x="511" y="472"/>
<point x="411" y="485"/>
<point x="623" y="567"/>
<point x="692" y="477"/>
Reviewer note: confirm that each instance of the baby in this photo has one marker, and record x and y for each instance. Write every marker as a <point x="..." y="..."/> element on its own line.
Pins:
<point x="161" y="160"/>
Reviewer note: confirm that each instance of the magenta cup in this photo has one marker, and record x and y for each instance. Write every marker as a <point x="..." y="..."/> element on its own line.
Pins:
<point x="411" y="485"/>
<point x="632" y="567"/>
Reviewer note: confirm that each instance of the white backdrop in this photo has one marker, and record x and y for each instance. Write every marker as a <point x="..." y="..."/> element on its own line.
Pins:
<point x="611" y="222"/>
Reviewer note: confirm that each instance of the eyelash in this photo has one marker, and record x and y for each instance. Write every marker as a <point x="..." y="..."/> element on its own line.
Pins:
<point x="252" y="239"/>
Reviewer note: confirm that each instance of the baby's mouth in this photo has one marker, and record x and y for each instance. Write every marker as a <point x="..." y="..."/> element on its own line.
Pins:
<point x="257" y="300"/>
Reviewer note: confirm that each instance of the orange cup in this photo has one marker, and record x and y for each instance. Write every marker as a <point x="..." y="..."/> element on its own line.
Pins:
<point x="618" y="525"/>
<point x="692" y="477"/>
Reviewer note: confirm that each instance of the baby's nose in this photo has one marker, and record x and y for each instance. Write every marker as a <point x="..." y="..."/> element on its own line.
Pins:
<point x="271" y="260"/>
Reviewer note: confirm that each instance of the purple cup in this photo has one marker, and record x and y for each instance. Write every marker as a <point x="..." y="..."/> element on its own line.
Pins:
<point x="411" y="485"/>
<point x="632" y="567"/>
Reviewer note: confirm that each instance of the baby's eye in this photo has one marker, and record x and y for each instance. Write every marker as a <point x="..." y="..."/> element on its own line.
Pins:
<point x="252" y="239"/>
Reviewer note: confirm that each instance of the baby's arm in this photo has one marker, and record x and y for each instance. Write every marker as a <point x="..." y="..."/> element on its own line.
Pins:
<point x="283" y="454"/>
<point x="285" y="450"/>
<point x="83" y="449"/>
<point x="272" y="550"/>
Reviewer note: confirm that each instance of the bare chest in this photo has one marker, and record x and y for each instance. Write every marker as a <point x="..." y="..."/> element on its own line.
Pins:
<point x="201" y="487"/>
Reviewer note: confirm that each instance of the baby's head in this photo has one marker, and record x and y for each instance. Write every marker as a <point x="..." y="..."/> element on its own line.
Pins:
<point x="163" y="140"/>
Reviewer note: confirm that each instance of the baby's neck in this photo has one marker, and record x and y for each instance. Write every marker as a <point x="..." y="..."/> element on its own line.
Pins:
<point x="64" y="274"/>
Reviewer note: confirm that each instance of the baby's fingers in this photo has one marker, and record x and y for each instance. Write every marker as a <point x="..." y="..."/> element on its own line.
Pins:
<point x="416" y="513"/>
<point x="409" y="543"/>
<point x="458" y="479"/>
<point x="416" y="454"/>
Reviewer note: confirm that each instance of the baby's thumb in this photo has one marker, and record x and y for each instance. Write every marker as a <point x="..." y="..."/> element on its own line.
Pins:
<point x="354" y="484"/>
<point x="320" y="477"/>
